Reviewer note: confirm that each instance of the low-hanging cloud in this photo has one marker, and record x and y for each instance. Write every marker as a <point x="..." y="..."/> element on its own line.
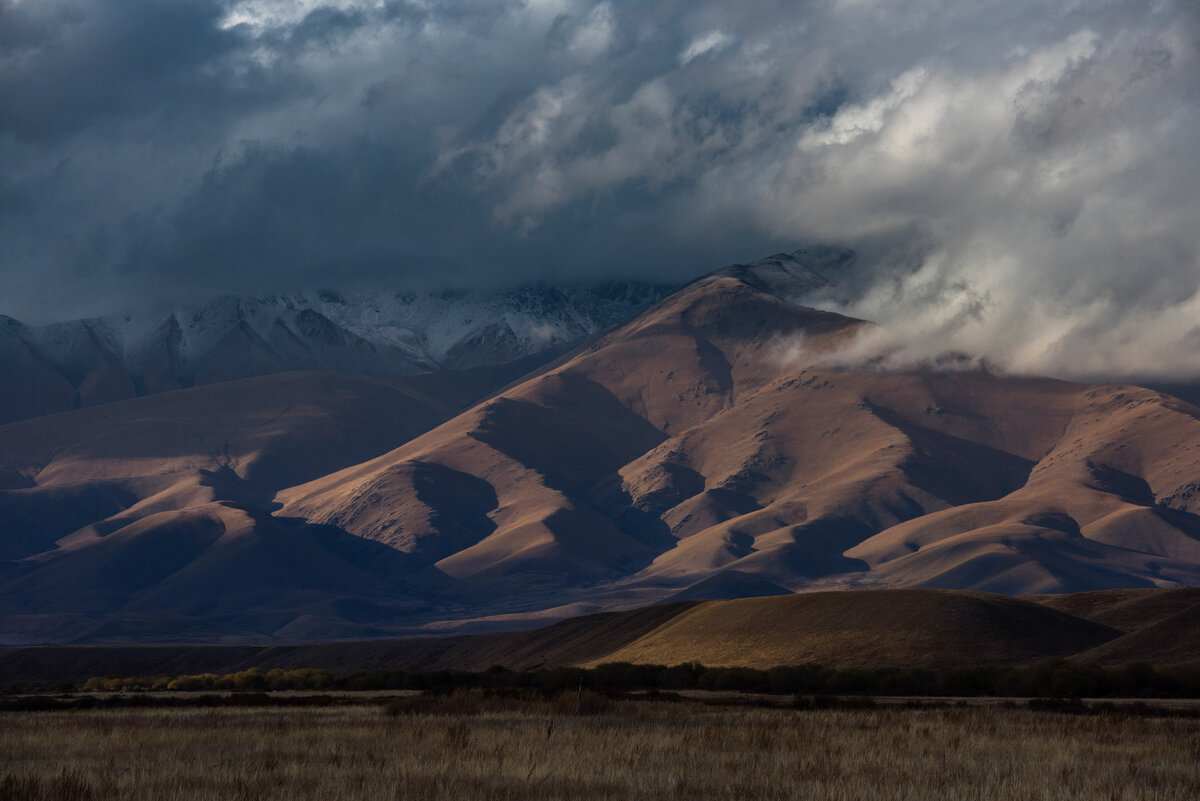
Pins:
<point x="1019" y="178"/>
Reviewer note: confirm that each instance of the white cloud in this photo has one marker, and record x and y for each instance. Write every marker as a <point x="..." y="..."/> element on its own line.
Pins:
<point x="596" y="33"/>
<point x="711" y="42"/>
<point x="852" y="122"/>
<point x="265" y="14"/>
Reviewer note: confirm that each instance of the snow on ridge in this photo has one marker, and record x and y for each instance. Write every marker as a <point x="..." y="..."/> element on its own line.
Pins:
<point x="392" y="332"/>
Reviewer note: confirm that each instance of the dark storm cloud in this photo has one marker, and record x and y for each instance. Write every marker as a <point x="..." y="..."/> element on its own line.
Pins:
<point x="70" y="66"/>
<point x="1019" y="177"/>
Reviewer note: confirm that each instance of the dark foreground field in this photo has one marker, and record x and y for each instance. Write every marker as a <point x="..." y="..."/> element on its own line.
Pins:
<point x="615" y="750"/>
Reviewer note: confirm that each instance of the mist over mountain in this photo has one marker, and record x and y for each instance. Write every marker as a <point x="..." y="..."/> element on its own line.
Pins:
<point x="1018" y="178"/>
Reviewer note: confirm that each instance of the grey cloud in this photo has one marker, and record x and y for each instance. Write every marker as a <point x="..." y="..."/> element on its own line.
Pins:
<point x="1018" y="177"/>
<point x="80" y="62"/>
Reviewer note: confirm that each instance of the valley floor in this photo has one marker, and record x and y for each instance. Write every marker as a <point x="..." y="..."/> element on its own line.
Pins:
<point x="615" y="750"/>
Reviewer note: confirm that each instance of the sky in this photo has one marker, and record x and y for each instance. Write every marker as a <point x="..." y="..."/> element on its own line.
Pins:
<point x="1018" y="178"/>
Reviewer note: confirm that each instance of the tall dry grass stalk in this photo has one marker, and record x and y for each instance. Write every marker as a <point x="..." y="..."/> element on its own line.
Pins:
<point x="627" y="751"/>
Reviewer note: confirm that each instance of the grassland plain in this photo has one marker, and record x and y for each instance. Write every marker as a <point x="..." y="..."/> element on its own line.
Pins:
<point x="622" y="750"/>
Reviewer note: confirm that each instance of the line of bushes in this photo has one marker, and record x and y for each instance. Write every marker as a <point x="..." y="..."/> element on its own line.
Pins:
<point x="1054" y="679"/>
<point x="45" y="702"/>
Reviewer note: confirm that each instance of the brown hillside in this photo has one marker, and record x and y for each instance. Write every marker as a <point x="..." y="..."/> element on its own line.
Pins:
<point x="1127" y="610"/>
<point x="895" y="628"/>
<point x="101" y="469"/>
<point x="159" y="507"/>
<point x="1172" y="641"/>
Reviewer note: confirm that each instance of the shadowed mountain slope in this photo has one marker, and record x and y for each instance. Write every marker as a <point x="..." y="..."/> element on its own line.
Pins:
<point x="150" y="518"/>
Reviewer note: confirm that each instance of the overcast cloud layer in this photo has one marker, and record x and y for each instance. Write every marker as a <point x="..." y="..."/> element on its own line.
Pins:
<point x="1019" y="178"/>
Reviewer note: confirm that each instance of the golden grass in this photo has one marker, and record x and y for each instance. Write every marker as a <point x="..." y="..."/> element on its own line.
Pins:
<point x="630" y="751"/>
<point x="868" y="629"/>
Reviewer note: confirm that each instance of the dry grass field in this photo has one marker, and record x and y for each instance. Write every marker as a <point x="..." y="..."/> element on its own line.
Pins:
<point x="624" y="750"/>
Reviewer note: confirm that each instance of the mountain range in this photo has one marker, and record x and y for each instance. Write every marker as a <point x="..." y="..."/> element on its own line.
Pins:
<point x="63" y="366"/>
<point x="711" y="445"/>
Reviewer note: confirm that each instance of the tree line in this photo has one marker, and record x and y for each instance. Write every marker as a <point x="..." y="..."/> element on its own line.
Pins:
<point x="1051" y="679"/>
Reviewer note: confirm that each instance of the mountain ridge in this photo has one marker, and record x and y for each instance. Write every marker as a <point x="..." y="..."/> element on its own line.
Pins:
<point x="390" y="334"/>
